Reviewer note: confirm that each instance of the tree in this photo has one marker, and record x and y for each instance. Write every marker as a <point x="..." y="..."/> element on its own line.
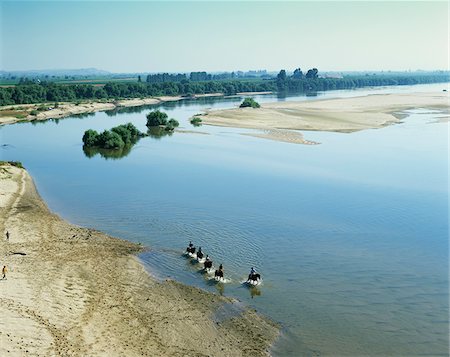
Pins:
<point x="156" y="118"/>
<point x="249" y="102"/>
<point x="312" y="73"/>
<point x="298" y="74"/>
<point x="90" y="137"/>
<point x="139" y="79"/>
<point x="281" y="76"/>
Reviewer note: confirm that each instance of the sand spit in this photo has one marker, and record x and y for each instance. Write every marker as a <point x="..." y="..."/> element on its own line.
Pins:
<point x="73" y="291"/>
<point x="338" y="115"/>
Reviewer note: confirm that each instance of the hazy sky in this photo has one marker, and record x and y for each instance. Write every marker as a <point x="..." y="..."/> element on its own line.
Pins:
<point x="152" y="36"/>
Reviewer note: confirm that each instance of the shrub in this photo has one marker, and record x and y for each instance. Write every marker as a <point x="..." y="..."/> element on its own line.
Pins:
<point x="34" y="112"/>
<point x="196" y="121"/>
<point x="156" y="118"/>
<point x="90" y="137"/>
<point x="110" y="140"/>
<point x="174" y="123"/>
<point x="249" y="102"/>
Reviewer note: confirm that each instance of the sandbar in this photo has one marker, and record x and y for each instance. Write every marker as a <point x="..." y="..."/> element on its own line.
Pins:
<point x="73" y="291"/>
<point x="337" y="115"/>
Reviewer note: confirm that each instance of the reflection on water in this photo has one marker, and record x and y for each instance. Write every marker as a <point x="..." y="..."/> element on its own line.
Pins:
<point x="113" y="154"/>
<point x="351" y="236"/>
<point x="158" y="132"/>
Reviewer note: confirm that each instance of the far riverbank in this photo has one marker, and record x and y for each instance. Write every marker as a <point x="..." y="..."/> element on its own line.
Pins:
<point x="30" y="112"/>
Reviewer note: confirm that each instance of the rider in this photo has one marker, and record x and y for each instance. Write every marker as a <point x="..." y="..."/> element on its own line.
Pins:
<point x="208" y="262"/>
<point x="252" y="271"/>
<point x="190" y="244"/>
<point x="199" y="253"/>
<point x="221" y="267"/>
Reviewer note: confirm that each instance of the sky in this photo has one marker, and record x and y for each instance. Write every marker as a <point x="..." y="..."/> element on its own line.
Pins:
<point x="171" y="36"/>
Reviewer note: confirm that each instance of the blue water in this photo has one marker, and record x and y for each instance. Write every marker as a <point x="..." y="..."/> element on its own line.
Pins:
<point x="350" y="236"/>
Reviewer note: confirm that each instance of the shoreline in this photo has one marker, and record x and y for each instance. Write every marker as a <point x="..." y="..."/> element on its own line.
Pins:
<point x="280" y="120"/>
<point x="77" y="291"/>
<point x="66" y="109"/>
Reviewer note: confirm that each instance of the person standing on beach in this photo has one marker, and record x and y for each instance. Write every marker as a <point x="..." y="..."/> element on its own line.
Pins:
<point x="4" y="270"/>
<point x="7" y="235"/>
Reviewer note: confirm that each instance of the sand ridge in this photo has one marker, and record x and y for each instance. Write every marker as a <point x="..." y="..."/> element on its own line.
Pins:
<point x="75" y="291"/>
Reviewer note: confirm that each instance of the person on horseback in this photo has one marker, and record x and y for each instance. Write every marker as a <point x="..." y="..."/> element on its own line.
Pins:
<point x="208" y="262"/>
<point x="190" y="248"/>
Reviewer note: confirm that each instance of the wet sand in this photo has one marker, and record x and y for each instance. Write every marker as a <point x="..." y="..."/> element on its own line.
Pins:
<point x="337" y="115"/>
<point x="73" y="291"/>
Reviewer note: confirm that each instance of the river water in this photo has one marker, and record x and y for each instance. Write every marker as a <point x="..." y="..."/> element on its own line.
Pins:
<point x="350" y="236"/>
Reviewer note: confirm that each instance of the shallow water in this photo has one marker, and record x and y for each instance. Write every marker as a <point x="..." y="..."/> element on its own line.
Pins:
<point x="350" y="236"/>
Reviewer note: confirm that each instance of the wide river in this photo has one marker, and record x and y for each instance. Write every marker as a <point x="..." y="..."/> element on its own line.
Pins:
<point x="350" y="236"/>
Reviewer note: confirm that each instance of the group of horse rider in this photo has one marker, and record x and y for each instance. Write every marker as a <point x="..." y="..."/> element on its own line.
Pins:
<point x="208" y="263"/>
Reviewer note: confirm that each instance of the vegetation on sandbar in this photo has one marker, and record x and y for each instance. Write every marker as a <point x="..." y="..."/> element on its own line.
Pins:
<point x="116" y="138"/>
<point x="158" y="118"/>
<point x="249" y="103"/>
<point x="196" y="121"/>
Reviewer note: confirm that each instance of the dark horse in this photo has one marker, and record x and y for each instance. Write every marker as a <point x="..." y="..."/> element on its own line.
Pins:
<point x="190" y="250"/>
<point x="199" y="254"/>
<point x="218" y="274"/>
<point x="208" y="264"/>
<point x="254" y="277"/>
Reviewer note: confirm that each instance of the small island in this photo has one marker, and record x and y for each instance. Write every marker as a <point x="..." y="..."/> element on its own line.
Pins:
<point x="116" y="138"/>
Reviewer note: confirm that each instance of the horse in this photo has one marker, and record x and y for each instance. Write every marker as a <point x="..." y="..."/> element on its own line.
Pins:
<point x="199" y="255"/>
<point x="218" y="274"/>
<point x="190" y="250"/>
<point x="208" y="264"/>
<point x="254" y="278"/>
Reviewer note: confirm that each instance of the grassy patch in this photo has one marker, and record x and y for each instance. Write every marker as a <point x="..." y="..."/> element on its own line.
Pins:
<point x="12" y="163"/>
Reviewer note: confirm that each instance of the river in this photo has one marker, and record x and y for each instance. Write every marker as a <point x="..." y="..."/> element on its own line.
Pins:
<point x="350" y="236"/>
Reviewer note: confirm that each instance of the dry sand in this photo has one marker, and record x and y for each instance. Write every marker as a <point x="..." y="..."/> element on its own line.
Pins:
<point x="73" y="291"/>
<point x="339" y="115"/>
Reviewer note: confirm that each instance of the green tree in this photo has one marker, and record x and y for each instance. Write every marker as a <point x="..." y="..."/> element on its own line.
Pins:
<point x="249" y="102"/>
<point x="90" y="137"/>
<point x="156" y="118"/>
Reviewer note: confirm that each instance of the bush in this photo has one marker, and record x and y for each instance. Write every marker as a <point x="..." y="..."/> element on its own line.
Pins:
<point x="249" y="102"/>
<point x="174" y="123"/>
<point x="110" y="140"/>
<point x="90" y="137"/>
<point x="156" y="118"/>
<point x="34" y="112"/>
<point x="12" y="163"/>
<point x="196" y="121"/>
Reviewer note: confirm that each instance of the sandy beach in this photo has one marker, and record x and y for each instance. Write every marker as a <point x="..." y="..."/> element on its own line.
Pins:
<point x="73" y="291"/>
<point x="338" y="115"/>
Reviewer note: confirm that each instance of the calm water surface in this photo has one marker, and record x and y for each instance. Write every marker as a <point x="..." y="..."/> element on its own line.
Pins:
<point x="351" y="236"/>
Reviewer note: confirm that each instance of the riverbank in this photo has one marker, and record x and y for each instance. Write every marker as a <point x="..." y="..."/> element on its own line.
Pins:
<point x="337" y="115"/>
<point x="11" y="114"/>
<point x="76" y="291"/>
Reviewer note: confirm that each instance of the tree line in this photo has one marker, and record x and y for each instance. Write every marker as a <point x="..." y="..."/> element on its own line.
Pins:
<point x="30" y="92"/>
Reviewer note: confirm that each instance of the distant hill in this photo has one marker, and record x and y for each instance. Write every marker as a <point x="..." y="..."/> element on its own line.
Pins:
<point x="82" y="72"/>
